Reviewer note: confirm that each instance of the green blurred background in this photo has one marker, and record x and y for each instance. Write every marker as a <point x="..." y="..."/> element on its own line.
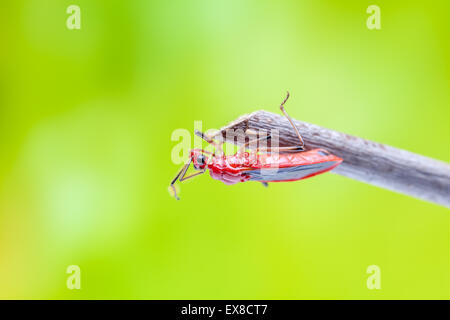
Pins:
<point x="86" y="118"/>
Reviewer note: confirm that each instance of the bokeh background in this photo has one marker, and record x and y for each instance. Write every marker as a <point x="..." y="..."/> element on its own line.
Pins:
<point x="86" y="118"/>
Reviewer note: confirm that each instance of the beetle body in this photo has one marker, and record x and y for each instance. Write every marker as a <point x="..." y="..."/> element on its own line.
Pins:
<point x="266" y="167"/>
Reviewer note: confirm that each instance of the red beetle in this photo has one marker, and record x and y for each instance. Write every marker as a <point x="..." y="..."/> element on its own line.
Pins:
<point x="265" y="165"/>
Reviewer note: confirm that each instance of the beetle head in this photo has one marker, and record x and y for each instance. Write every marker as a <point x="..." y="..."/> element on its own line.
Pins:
<point x="199" y="159"/>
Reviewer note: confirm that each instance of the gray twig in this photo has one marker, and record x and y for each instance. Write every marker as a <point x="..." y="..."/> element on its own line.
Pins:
<point x="381" y="165"/>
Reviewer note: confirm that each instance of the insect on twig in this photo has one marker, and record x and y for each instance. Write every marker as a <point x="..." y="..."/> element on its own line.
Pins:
<point x="291" y="163"/>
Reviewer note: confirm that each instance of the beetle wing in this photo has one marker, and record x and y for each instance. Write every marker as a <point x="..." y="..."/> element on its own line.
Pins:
<point x="290" y="173"/>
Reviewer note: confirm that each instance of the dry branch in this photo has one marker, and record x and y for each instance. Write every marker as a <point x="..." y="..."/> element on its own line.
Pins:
<point x="377" y="164"/>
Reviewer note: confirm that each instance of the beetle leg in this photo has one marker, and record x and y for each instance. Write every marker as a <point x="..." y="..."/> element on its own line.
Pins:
<point x="300" y="147"/>
<point x="183" y="178"/>
<point x="302" y="144"/>
<point x="209" y="140"/>
<point x="281" y="149"/>
<point x="203" y="136"/>
<point x="181" y="173"/>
